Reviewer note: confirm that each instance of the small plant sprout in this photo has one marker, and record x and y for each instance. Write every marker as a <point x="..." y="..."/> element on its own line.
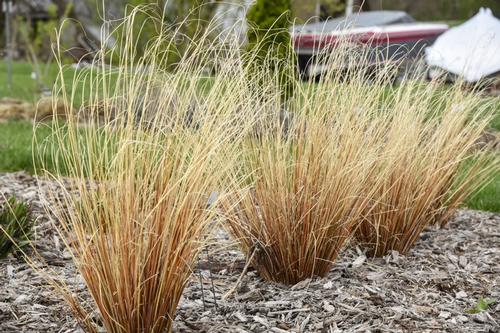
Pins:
<point x="16" y="225"/>
<point x="483" y="304"/>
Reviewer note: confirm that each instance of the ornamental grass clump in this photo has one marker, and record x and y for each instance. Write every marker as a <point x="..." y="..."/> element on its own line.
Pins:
<point x="307" y="167"/>
<point x="430" y="163"/>
<point x="303" y="200"/>
<point x="136" y="166"/>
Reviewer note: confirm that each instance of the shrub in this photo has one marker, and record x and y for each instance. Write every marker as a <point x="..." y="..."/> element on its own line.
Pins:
<point x="269" y="43"/>
<point x="15" y="226"/>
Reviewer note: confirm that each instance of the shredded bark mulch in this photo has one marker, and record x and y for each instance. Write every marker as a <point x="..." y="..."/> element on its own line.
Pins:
<point x="431" y="289"/>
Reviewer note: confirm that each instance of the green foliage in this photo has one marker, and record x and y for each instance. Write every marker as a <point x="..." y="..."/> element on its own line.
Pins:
<point x="483" y="304"/>
<point x="268" y="14"/>
<point x="16" y="225"/>
<point x="332" y="8"/>
<point x="44" y="31"/>
<point x="268" y="22"/>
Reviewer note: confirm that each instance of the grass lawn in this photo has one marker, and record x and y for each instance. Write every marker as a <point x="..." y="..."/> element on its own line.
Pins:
<point x="487" y="198"/>
<point x="24" y="87"/>
<point x="16" y="145"/>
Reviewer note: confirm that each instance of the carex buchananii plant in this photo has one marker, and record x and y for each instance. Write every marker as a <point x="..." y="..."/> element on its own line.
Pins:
<point x="137" y="163"/>
<point x="307" y="166"/>
<point x="431" y="161"/>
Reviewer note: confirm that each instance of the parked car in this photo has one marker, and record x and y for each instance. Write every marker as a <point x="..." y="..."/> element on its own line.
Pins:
<point x="395" y="34"/>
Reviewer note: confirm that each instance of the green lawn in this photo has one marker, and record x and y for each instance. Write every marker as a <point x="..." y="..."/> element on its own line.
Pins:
<point x="487" y="198"/>
<point x="24" y="87"/>
<point x="16" y="139"/>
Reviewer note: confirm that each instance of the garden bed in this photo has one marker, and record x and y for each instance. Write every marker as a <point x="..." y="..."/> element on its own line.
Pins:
<point x="430" y="289"/>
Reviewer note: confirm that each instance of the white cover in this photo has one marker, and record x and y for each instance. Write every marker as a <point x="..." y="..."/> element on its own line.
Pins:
<point x="471" y="50"/>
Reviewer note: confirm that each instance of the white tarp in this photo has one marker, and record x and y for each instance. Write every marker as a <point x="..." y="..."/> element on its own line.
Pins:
<point x="471" y="50"/>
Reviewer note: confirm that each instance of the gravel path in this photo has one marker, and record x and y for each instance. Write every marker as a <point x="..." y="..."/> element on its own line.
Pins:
<point x="428" y="290"/>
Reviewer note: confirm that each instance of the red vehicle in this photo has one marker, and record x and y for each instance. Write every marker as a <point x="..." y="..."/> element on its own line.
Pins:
<point x="395" y="33"/>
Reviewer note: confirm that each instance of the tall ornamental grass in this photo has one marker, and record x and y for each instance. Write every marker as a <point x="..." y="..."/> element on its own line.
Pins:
<point x="308" y="164"/>
<point x="305" y="194"/>
<point x="136" y="165"/>
<point x="360" y="155"/>
<point x="431" y="161"/>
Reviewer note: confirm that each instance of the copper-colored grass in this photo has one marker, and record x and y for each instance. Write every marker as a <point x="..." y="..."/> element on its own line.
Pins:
<point x="136" y="171"/>
<point x="149" y="146"/>
<point x="355" y="155"/>
<point x="429" y="164"/>
<point x="305" y="190"/>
